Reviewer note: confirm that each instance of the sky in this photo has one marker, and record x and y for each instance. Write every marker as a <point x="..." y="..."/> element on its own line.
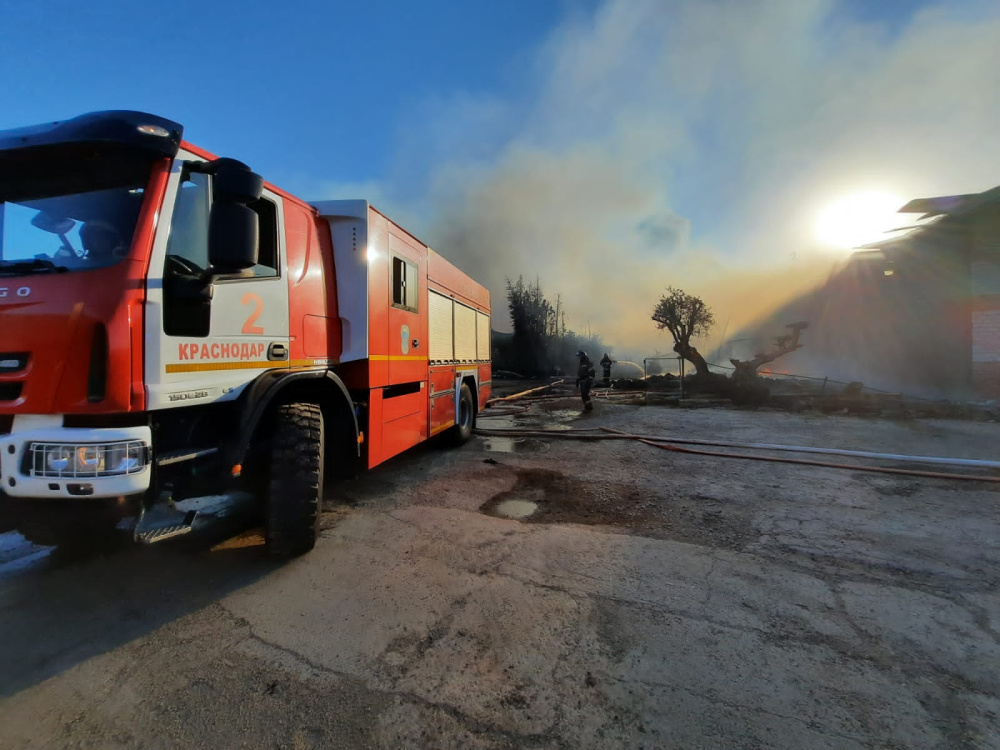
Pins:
<point x="610" y="148"/>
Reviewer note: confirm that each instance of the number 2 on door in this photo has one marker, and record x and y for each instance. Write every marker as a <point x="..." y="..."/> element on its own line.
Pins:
<point x="252" y="299"/>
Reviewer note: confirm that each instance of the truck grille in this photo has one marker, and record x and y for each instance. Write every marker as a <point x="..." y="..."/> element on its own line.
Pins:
<point x="10" y="391"/>
<point x="11" y="362"/>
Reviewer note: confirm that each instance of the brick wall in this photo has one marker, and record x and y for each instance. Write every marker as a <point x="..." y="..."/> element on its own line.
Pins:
<point x="985" y="336"/>
<point x="986" y="350"/>
<point x="984" y="270"/>
<point x="986" y="379"/>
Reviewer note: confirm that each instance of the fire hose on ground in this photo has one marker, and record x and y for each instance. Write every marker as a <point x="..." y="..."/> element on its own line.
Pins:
<point x="673" y="443"/>
<point x="525" y="399"/>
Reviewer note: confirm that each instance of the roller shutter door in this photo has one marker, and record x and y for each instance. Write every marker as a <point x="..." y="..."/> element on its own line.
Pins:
<point x="482" y="336"/>
<point x="440" y="328"/>
<point x="465" y="333"/>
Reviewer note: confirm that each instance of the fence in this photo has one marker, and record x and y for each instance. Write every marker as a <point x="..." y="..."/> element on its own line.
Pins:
<point x="826" y="385"/>
<point x="664" y="381"/>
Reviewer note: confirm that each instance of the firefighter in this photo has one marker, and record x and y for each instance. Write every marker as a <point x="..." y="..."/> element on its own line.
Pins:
<point x="102" y="243"/>
<point x="606" y="363"/>
<point x="585" y="379"/>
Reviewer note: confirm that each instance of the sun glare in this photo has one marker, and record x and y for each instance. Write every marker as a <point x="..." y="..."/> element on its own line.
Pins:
<point x="858" y="218"/>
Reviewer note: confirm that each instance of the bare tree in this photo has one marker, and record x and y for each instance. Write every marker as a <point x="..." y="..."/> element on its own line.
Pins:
<point x="747" y="371"/>
<point x="686" y="317"/>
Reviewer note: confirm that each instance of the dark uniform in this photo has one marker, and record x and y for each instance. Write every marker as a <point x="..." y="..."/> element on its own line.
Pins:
<point x="585" y="379"/>
<point x="606" y="363"/>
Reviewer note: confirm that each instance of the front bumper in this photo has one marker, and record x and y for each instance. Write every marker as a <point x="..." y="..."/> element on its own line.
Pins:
<point x="17" y="482"/>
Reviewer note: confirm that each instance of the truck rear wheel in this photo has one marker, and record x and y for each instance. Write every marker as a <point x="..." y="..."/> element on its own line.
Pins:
<point x="295" y="489"/>
<point x="466" y="416"/>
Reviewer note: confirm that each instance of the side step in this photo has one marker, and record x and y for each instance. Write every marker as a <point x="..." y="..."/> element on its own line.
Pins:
<point x="161" y="522"/>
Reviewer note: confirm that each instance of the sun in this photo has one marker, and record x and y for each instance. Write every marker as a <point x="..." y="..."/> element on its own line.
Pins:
<point x="858" y="218"/>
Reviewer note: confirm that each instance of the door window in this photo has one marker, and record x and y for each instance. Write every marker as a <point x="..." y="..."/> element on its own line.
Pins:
<point x="185" y="311"/>
<point x="404" y="284"/>
<point x="188" y="241"/>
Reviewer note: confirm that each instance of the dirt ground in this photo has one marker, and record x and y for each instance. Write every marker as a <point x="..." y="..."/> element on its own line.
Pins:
<point x="652" y="599"/>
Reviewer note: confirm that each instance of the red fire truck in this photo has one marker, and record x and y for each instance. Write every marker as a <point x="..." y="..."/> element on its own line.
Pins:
<point x="173" y="328"/>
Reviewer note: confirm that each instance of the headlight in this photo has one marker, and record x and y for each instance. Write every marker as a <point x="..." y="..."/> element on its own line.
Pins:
<point x="59" y="459"/>
<point x="125" y="459"/>
<point x="89" y="458"/>
<point x="62" y="460"/>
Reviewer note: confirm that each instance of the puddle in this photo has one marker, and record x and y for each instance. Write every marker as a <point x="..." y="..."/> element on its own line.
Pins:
<point x="544" y="496"/>
<point x="547" y="496"/>
<point x="500" y="444"/>
<point x="522" y="502"/>
<point x="515" y="508"/>
<point x="548" y="419"/>
<point x="564" y="415"/>
<point x="543" y="424"/>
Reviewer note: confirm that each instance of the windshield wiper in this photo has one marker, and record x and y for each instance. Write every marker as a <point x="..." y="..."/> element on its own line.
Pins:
<point x="35" y="265"/>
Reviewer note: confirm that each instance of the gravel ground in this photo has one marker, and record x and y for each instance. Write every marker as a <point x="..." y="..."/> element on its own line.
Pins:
<point x="652" y="599"/>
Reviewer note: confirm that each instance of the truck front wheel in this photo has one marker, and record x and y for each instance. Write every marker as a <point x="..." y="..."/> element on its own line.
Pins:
<point x="295" y="490"/>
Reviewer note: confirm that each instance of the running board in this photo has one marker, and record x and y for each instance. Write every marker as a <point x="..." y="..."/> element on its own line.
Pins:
<point x="176" y="457"/>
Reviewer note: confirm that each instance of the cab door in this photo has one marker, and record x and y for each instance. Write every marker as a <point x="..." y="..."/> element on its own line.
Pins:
<point x="404" y="400"/>
<point x="201" y="350"/>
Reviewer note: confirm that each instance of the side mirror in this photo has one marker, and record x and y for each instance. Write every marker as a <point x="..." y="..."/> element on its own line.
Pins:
<point x="51" y="223"/>
<point x="235" y="181"/>
<point x="233" y="236"/>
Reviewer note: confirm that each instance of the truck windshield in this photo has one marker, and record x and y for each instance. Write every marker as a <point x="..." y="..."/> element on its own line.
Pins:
<point x="68" y="231"/>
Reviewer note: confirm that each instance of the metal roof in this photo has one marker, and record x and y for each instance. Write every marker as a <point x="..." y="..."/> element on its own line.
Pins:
<point x="934" y="210"/>
<point x="951" y="205"/>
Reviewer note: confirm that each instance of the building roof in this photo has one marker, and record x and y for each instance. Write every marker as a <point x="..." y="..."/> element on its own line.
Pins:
<point x="932" y="211"/>
<point x="951" y="205"/>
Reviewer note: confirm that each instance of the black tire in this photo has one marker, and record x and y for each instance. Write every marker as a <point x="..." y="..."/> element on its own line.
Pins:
<point x="295" y="491"/>
<point x="462" y="430"/>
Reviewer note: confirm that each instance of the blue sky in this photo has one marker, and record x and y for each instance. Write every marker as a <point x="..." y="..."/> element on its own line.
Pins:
<point x="610" y="147"/>
<point x="305" y="91"/>
<point x="314" y="89"/>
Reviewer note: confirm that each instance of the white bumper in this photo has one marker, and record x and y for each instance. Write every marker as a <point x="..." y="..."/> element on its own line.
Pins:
<point x="16" y="478"/>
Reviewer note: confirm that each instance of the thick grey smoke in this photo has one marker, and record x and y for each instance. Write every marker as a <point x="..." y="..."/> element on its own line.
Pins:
<point x="693" y="143"/>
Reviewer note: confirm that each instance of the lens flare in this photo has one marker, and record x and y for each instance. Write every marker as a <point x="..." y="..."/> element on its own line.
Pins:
<point x="858" y="218"/>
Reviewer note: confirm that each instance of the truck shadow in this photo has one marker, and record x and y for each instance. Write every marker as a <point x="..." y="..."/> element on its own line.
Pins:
<point x="79" y="605"/>
<point x="54" y="619"/>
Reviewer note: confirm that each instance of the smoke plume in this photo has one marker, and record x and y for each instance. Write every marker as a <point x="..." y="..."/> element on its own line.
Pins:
<point x="655" y="143"/>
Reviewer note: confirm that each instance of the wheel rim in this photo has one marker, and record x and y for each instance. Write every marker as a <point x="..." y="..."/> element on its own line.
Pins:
<point x="464" y="414"/>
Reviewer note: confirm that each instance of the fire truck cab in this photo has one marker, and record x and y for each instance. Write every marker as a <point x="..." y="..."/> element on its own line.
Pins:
<point x="174" y="330"/>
